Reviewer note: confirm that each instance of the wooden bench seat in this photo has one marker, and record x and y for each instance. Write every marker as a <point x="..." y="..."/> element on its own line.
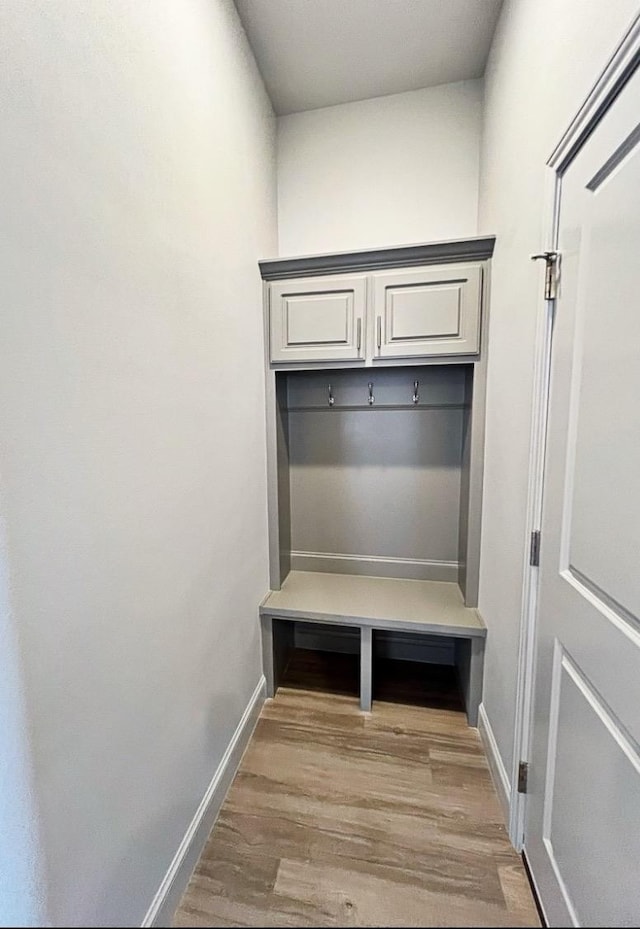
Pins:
<point x="431" y="608"/>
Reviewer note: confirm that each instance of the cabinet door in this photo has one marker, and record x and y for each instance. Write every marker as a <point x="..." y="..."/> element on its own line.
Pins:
<point x="318" y="319"/>
<point x="429" y="311"/>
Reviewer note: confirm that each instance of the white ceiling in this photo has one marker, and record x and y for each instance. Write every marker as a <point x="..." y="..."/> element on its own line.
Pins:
<point x="315" y="53"/>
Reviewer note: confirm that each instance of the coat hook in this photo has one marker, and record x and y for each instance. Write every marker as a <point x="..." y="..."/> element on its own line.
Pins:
<point x="371" y="397"/>
<point x="415" y="397"/>
<point x="332" y="399"/>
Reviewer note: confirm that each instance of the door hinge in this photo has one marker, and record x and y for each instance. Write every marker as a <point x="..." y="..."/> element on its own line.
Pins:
<point x="534" y="550"/>
<point x="552" y="263"/>
<point x="523" y="774"/>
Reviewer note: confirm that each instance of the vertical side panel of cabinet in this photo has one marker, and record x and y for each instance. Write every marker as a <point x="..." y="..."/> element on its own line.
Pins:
<point x="278" y="492"/>
<point x="317" y="319"/>
<point x="473" y="464"/>
<point x="428" y="311"/>
<point x="475" y="425"/>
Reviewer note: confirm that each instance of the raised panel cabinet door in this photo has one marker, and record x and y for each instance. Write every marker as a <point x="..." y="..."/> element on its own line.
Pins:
<point x="318" y="319"/>
<point x="428" y="311"/>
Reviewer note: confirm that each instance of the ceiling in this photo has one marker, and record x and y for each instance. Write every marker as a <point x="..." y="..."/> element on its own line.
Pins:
<point x="315" y="53"/>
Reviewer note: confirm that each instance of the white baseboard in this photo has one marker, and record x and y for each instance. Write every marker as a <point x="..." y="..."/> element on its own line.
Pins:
<point x="375" y="566"/>
<point x="174" y="883"/>
<point x="499" y="774"/>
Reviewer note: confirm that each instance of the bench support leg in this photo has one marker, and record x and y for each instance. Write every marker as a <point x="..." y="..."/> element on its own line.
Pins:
<point x="476" y="668"/>
<point x="277" y="643"/>
<point x="470" y="663"/>
<point x="366" y="668"/>
<point x="266" y="629"/>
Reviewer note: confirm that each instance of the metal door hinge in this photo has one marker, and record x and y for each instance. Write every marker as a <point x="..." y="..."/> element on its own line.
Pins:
<point x="534" y="550"/>
<point x="552" y="263"/>
<point x="523" y="774"/>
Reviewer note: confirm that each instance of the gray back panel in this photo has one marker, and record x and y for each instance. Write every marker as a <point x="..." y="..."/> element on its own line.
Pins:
<point x="437" y="386"/>
<point x="381" y="480"/>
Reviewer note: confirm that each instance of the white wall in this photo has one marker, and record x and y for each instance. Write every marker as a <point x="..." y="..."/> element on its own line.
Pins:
<point x="388" y="171"/>
<point x="544" y="60"/>
<point x="22" y="901"/>
<point x="137" y="192"/>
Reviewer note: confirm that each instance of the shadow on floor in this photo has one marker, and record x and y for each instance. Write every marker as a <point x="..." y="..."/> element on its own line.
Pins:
<point x="408" y="682"/>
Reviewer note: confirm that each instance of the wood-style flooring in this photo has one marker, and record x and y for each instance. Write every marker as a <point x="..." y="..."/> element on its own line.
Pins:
<point x="339" y="818"/>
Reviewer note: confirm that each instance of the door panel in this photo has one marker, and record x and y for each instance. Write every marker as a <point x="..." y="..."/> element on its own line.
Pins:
<point x="583" y="813"/>
<point x="608" y="840"/>
<point x="430" y="311"/>
<point x="424" y="312"/>
<point x="606" y="442"/>
<point x="321" y="319"/>
<point x="318" y="319"/>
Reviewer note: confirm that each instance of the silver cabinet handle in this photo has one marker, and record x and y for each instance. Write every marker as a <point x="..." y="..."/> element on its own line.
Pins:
<point x="359" y="336"/>
<point x="379" y="323"/>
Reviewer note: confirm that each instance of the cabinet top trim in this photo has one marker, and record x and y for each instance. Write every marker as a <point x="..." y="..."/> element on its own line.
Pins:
<point x="404" y="256"/>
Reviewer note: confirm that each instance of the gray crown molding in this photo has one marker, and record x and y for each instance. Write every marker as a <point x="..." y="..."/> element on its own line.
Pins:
<point x="478" y="248"/>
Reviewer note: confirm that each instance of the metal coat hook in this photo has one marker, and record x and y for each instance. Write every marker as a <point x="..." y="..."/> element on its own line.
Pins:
<point x="416" y="396"/>
<point x="332" y="399"/>
<point x="371" y="397"/>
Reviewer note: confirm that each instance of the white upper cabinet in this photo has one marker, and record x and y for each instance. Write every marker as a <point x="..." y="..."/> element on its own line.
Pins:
<point x="396" y="305"/>
<point x="427" y="311"/>
<point x="318" y="319"/>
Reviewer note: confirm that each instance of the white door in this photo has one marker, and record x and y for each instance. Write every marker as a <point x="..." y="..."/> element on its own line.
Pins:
<point x="582" y="836"/>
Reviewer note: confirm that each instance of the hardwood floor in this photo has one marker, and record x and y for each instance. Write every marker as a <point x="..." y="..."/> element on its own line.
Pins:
<point x="339" y="818"/>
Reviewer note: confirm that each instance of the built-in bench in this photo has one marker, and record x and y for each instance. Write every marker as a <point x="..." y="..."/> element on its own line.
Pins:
<point x="429" y="608"/>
